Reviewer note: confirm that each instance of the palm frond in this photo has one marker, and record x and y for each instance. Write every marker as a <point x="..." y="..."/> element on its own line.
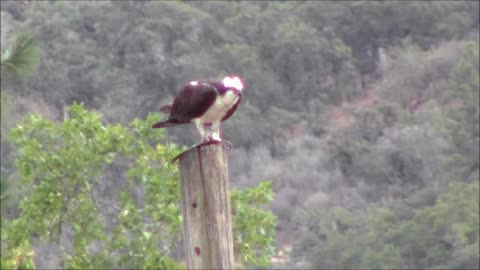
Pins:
<point x="21" y="57"/>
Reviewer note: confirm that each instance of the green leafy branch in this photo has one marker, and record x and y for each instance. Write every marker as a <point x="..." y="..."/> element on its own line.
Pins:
<point x="22" y="56"/>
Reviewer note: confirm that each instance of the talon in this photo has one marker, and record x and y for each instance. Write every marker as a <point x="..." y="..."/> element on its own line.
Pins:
<point x="204" y="142"/>
<point x="226" y="144"/>
<point x="200" y="144"/>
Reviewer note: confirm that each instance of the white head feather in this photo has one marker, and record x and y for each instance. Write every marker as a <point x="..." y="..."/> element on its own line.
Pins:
<point x="233" y="82"/>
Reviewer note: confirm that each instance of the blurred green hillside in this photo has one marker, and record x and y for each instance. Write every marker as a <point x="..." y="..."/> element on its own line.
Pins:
<point x="363" y="114"/>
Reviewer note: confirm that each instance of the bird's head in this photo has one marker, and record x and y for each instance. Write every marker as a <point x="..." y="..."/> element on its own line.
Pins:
<point x="233" y="83"/>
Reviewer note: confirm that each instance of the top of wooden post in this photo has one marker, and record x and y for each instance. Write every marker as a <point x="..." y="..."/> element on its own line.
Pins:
<point x="206" y="207"/>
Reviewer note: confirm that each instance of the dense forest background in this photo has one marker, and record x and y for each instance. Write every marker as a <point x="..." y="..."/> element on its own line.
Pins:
<point x="364" y="115"/>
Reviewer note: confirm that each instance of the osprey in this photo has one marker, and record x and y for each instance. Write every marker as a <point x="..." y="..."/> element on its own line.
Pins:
<point x="205" y="104"/>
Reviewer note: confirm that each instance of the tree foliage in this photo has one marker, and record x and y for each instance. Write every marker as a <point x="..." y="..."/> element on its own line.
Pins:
<point x="21" y="56"/>
<point x="17" y="60"/>
<point x="353" y="110"/>
<point x="459" y="126"/>
<point x="95" y="224"/>
<point x="254" y="225"/>
<point x="400" y="236"/>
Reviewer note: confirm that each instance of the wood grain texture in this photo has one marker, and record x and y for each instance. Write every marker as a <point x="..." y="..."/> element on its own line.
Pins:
<point x="206" y="208"/>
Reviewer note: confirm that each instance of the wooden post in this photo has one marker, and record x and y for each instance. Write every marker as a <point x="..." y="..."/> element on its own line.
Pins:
<point x="207" y="220"/>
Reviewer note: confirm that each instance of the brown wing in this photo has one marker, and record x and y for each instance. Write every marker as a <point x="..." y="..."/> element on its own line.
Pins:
<point x="193" y="101"/>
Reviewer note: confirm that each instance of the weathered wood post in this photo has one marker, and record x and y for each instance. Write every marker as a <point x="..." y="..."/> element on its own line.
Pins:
<point x="207" y="221"/>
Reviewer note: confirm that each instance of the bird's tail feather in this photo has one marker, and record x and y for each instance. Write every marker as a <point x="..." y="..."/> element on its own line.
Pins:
<point x="166" y="123"/>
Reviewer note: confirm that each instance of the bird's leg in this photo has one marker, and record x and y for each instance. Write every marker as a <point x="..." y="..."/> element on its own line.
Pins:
<point x="216" y="136"/>
<point x="209" y="134"/>
<point x="201" y="129"/>
<point x="212" y="135"/>
<point x="215" y="132"/>
<point x="203" y="133"/>
<point x="198" y="123"/>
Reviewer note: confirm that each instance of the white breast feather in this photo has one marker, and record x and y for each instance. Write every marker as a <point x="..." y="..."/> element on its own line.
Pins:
<point x="220" y="107"/>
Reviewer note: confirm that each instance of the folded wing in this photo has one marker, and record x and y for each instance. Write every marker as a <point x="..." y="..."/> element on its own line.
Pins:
<point x="192" y="102"/>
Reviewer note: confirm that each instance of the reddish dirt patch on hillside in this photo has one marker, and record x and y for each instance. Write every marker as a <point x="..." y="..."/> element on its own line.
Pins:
<point x="341" y="116"/>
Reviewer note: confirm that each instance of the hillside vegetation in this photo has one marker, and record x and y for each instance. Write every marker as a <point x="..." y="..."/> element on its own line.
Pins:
<point x="364" y="115"/>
